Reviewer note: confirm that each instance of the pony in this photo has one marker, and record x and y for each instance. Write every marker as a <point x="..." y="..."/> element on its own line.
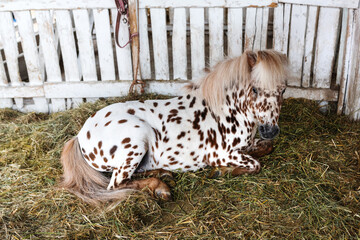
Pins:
<point x="213" y="124"/>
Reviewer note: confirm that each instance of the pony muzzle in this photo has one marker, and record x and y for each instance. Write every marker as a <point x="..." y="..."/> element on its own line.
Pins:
<point x="268" y="131"/>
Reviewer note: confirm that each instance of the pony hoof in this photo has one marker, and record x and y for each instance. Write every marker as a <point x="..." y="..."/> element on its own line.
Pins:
<point x="215" y="173"/>
<point x="163" y="195"/>
<point x="168" y="180"/>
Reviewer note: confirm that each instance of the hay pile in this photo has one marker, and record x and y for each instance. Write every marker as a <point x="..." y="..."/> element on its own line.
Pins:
<point x="309" y="186"/>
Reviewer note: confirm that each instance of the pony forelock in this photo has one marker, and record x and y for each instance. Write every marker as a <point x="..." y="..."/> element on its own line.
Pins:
<point x="264" y="69"/>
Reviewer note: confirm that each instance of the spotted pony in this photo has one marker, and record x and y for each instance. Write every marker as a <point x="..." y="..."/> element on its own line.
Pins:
<point x="213" y="124"/>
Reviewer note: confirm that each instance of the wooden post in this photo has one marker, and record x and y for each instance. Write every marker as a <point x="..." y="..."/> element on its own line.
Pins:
<point x="135" y="47"/>
<point x="352" y="92"/>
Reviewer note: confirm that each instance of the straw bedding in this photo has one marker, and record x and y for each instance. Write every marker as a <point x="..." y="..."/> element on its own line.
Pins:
<point x="309" y="187"/>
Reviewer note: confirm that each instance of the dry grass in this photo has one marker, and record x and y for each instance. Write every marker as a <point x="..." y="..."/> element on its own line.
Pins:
<point x="309" y="187"/>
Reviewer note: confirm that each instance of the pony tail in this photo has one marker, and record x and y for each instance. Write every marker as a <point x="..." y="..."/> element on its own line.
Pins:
<point x="84" y="181"/>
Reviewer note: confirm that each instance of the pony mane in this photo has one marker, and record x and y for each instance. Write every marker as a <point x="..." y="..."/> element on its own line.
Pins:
<point x="264" y="69"/>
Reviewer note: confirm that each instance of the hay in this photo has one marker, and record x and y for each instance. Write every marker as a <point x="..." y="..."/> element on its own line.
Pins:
<point x="309" y="187"/>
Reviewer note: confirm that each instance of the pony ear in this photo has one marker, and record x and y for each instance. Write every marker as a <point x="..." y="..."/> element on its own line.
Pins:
<point x="283" y="58"/>
<point x="251" y="58"/>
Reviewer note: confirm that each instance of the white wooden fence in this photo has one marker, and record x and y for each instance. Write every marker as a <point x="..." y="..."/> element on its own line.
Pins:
<point x="55" y="54"/>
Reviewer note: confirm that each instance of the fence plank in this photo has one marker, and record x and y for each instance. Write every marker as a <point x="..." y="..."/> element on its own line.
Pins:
<point x="4" y="103"/>
<point x="346" y="70"/>
<point x="197" y="42"/>
<point x="309" y="45"/>
<point x="325" y="46"/>
<point x="85" y="44"/>
<point x="250" y="28"/>
<point x="68" y="51"/>
<point x="160" y="45"/>
<point x="7" y="31"/>
<point x="327" y="3"/>
<point x="352" y="97"/>
<point x="205" y="3"/>
<point x="145" y="66"/>
<point x="287" y="12"/>
<point x="104" y="44"/>
<point x="179" y="44"/>
<point x="278" y="28"/>
<point x="51" y="59"/>
<point x="17" y="5"/>
<point x="264" y="28"/>
<point x="297" y="43"/>
<point x="281" y="27"/>
<point x="216" y="35"/>
<point x="258" y="26"/>
<point x="123" y="55"/>
<point x="31" y="54"/>
<point x="342" y="43"/>
<point x="235" y="29"/>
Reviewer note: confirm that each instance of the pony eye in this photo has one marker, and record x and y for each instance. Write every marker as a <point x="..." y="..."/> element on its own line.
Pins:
<point x="254" y="90"/>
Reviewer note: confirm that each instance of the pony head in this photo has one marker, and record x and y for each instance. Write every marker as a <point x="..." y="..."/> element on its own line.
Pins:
<point x="268" y="71"/>
<point x="257" y="79"/>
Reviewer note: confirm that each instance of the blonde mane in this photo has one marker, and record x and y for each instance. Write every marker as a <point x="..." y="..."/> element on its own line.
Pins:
<point x="264" y="69"/>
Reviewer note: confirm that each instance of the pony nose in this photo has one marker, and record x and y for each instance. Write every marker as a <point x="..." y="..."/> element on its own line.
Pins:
<point x="268" y="131"/>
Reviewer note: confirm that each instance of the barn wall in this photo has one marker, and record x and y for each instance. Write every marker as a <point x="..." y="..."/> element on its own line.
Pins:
<point x="57" y="54"/>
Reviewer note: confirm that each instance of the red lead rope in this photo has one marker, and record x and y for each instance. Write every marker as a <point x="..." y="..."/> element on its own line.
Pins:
<point x="122" y="8"/>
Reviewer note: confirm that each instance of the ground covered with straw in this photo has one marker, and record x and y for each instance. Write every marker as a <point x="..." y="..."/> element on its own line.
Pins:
<point x="309" y="187"/>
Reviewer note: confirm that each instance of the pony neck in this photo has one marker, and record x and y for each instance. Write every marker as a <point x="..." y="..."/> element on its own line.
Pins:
<point x="237" y="102"/>
<point x="236" y="106"/>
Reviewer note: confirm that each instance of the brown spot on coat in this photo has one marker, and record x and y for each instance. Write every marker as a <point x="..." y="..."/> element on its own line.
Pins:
<point x="126" y="140"/>
<point x="88" y="135"/>
<point x="122" y="121"/>
<point x="95" y="165"/>
<point x="113" y="149"/>
<point x="108" y="114"/>
<point x="131" y="111"/>
<point x="92" y="156"/>
<point x="182" y="134"/>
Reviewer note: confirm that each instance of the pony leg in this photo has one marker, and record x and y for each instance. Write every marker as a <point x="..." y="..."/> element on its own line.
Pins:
<point x="164" y="175"/>
<point x="124" y="171"/>
<point x="244" y="164"/>
<point x="260" y="148"/>
<point x="157" y="172"/>
<point x="155" y="186"/>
